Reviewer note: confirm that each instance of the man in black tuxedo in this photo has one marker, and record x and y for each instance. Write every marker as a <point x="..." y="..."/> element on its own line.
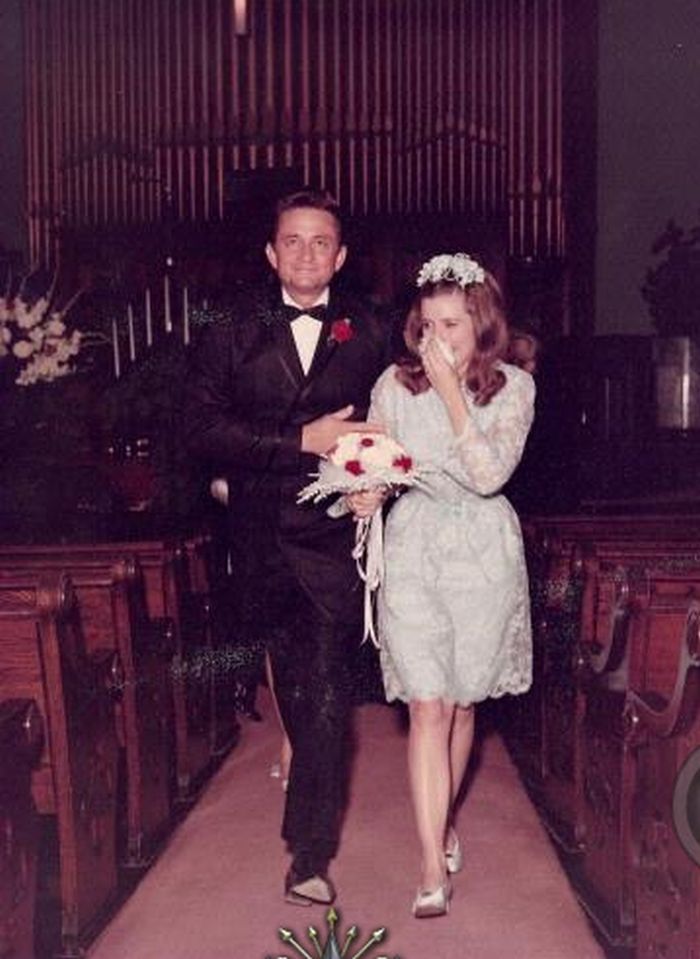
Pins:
<point x="272" y="388"/>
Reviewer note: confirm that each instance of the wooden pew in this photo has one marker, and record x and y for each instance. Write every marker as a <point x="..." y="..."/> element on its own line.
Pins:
<point x="109" y="591"/>
<point x="542" y="726"/>
<point x="43" y="657"/>
<point x="206" y="581"/>
<point x="179" y="582"/>
<point x="606" y="779"/>
<point x="169" y="593"/>
<point x="589" y="639"/>
<point x="177" y="589"/>
<point x="21" y="740"/>
<point x="662" y="733"/>
<point x="546" y="724"/>
<point x="625" y="646"/>
<point x="579" y="527"/>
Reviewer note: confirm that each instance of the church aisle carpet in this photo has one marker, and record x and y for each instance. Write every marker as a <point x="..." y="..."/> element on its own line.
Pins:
<point x="216" y="890"/>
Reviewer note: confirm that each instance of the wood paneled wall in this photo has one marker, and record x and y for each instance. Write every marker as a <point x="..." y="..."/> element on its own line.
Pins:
<point x="138" y="109"/>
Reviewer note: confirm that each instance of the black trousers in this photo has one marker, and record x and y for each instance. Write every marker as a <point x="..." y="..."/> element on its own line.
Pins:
<point x="312" y="683"/>
<point x="312" y="652"/>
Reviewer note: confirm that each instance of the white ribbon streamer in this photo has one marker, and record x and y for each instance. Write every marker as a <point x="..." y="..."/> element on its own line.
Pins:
<point x="369" y="546"/>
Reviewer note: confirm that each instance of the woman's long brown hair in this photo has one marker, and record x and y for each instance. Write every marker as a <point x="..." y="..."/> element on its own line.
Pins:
<point x="485" y="304"/>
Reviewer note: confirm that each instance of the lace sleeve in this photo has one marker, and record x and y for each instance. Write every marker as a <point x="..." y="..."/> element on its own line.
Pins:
<point x="483" y="460"/>
<point x="382" y="407"/>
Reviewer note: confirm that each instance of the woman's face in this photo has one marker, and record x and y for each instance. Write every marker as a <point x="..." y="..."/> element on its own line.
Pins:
<point x="446" y="316"/>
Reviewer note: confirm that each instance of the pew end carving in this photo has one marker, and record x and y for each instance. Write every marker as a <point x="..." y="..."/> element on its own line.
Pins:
<point x="44" y="657"/>
<point x="615" y="603"/>
<point x="21" y="742"/>
<point x="663" y="733"/>
<point x="110" y="596"/>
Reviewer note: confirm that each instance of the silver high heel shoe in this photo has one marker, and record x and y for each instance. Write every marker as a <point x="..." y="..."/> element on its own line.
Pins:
<point x="454" y="859"/>
<point x="429" y="903"/>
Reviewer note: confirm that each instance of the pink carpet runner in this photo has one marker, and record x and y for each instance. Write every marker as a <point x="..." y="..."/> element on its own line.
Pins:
<point x="216" y="890"/>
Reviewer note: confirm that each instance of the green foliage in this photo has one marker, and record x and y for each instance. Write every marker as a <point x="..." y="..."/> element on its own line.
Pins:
<point x="145" y="404"/>
<point x="672" y="288"/>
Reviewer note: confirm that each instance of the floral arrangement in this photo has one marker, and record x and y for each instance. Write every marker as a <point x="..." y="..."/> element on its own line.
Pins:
<point x="357" y="463"/>
<point x="457" y="268"/>
<point x="35" y="333"/>
<point x="360" y="462"/>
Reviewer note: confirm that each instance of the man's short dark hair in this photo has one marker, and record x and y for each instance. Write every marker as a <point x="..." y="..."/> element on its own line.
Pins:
<point x="305" y="199"/>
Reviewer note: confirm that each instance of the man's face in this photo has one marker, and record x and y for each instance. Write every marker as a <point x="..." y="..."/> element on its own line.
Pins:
<point x="306" y="252"/>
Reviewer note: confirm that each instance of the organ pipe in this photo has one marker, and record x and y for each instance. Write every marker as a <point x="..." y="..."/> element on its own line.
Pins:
<point x="138" y="108"/>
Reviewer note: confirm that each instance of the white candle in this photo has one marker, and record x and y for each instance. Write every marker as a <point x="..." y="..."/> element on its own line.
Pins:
<point x="185" y="318"/>
<point x="166" y="302"/>
<point x="115" y="349"/>
<point x="149" y="319"/>
<point x="132" y="339"/>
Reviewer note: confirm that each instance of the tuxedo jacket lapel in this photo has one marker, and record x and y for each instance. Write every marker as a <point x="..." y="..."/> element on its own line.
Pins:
<point x="289" y="358"/>
<point x="287" y="351"/>
<point x="324" y="350"/>
<point x="326" y="346"/>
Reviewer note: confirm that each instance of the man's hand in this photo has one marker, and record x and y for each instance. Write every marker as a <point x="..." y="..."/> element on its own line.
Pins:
<point x="322" y="434"/>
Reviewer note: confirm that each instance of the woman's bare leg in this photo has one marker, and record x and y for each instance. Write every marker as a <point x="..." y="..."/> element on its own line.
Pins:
<point x="286" y="748"/>
<point x="429" y="770"/>
<point x="461" y="741"/>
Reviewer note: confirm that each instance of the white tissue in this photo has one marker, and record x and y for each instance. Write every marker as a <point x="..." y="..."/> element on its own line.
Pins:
<point x="447" y="351"/>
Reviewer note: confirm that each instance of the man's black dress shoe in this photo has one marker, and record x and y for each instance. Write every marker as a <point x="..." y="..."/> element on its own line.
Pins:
<point x="303" y="892"/>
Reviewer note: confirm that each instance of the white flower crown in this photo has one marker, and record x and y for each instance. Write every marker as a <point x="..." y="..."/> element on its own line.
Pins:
<point x="454" y="268"/>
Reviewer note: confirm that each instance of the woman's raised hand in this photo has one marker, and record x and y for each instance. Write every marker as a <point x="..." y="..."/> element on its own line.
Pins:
<point x="444" y="378"/>
<point x="441" y="375"/>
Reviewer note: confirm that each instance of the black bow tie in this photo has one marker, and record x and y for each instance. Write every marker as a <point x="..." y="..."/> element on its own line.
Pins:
<point x="292" y="313"/>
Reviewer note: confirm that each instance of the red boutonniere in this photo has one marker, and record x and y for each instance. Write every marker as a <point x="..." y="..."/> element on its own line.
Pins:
<point x="341" y="331"/>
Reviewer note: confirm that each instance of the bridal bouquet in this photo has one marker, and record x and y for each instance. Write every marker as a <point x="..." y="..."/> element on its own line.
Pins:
<point x="360" y="462"/>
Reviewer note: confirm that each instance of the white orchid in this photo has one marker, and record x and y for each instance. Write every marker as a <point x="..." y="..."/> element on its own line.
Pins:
<point x="38" y="337"/>
<point x="56" y="326"/>
<point x="23" y="349"/>
<point x="35" y="314"/>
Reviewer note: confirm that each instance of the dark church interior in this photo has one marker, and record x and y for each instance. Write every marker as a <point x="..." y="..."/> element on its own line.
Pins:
<point x="144" y="146"/>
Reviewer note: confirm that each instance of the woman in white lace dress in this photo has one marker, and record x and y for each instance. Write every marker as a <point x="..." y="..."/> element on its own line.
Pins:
<point x="454" y="620"/>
